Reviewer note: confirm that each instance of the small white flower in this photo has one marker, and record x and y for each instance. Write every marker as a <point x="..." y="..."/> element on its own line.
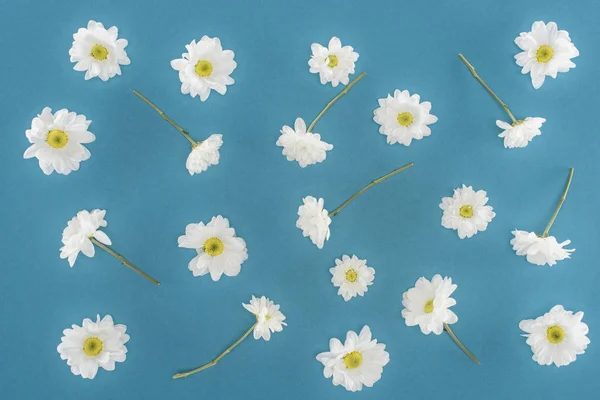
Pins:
<point x="540" y="250"/>
<point x="204" y="154"/>
<point x="205" y="67"/>
<point x="98" y="52"/>
<point x="546" y="52"/>
<point x="268" y="317"/>
<point x="403" y="118"/>
<point x="352" y="276"/>
<point x="92" y="345"/>
<point x="305" y="147"/>
<point x="427" y="304"/>
<point x="334" y="63"/>
<point x="521" y="132"/>
<point x="557" y="337"/>
<point x="314" y="220"/>
<point x="80" y="229"/>
<point x="219" y="250"/>
<point x="57" y="140"/>
<point x="466" y="211"/>
<point x="357" y="362"/>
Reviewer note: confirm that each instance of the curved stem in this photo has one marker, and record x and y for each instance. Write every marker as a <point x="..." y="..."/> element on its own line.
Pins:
<point x="165" y="117"/>
<point x="336" y="98"/>
<point x="462" y="347"/>
<point x="560" y="203"/>
<point x="124" y="261"/>
<point x="472" y="69"/>
<point x="216" y="360"/>
<point x="370" y="185"/>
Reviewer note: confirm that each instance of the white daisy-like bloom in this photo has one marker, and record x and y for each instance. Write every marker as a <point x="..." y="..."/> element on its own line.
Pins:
<point x="333" y="63"/>
<point x="546" y="52"/>
<point x="268" y="317"/>
<point x="556" y="337"/>
<point x="520" y="133"/>
<point x="93" y="345"/>
<point x="306" y="148"/>
<point x="403" y="117"/>
<point x="204" y="154"/>
<point x="352" y="276"/>
<point x="98" y="51"/>
<point x="357" y="362"/>
<point x="427" y="304"/>
<point x="314" y="220"/>
<point x="540" y="250"/>
<point x="57" y="140"/>
<point x="219" y="250"/>
<point x="80" y="229"/>
<point x="205" y="67"/>
<point x="466" y="211"/>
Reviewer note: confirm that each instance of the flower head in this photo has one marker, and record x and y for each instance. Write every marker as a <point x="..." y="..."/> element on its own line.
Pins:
<point x="306" y="148"/>
<point x="352" y="276"/>
<point x="219" y="250"/>
<point x="57" y="140"/>
<point x="466" y="211"/>
<point x="92" y="345"/>
<point x="80" y="229"/>
<point x="205" y="67"/>
<point x="98" y="52"/>
<point x="520" y="133"/>
<point x="314" y="220"/>
<point x="557" y="337"/>
<point x="546" y="52"/>
<point x="204" y="154"/>
<point x="540" y="250"/>
<point x="268" y="317"/>
<point x="333" y="63"/>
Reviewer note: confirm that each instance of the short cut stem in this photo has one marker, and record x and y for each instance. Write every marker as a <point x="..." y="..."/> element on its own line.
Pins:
<point x="462" y="347"/>
<point x="560" y="203"/>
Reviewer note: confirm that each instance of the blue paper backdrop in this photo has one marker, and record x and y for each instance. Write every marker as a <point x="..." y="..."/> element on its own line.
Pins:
<point x="137" y="173"/>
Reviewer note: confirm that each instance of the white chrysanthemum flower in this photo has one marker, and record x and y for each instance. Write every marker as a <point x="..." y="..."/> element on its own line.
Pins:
<point x="557" y="337"/>
<point x="521" y="132"/>
<point x="403" y="118"/>
<point x="204" y="154"/>
<point x="57" y="140"/>
<point x="306" y="148"/>
<point x="92" y="345"/>
<point x="333" y="63"/>
<point x="219" y="250"/>
<point x="80" y="229"/>
<point x="352" y="276"/>
<point x="357" y="362"/>
<point x="268" y="317"/>
<point x="546" y="52"/>
<point x="427" y="304"/>
<point x="314" y="220"/>
<point x="98" y="52"/>
<point x="205" y="67"/>
<point x="466" y="211"/>
<point x="540" y="250"/>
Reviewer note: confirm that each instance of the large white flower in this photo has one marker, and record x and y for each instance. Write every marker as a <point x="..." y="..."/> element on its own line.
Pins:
<point x="466" y="211"/>
<point x="403" y="118"/>
<point x="80" y="229"/>
<point x="92" y="345"/>
<point x="204" y="154"/>
<point x="57" y="140"/>
<point x="268" y="317"/>
<point x="521" y="132"/>
<point x="306" y="148"/>
<point x="352" y="276"/>
<point x="357" y="362"/>
<point x="98" y="52"/>
<point x="546" y="52"/>
<point x="333" y="63"/>
<point x="540" y="250"/>
<point x="205" y="67"/>
<point x="314" y="220"/>
<point x="557" y="337"/>
<point x="219" y="250"/>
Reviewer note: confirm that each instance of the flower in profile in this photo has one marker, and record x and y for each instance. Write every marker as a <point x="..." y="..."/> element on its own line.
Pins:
<point x="306" y="148"/>
<point x="57" y="140"/>
<point x="557" y="337"/>
<point x="205" y="67"/>
<point x="93" y="345"/>
<point x="357" y="362"/>
<point x="98" y="51"/>
<point x="466" y="211"/>
<point x="352" y="276"/>
<point x="520" y="133"/>
<point x="333" y="63"/>
<point x="546" y="52"/>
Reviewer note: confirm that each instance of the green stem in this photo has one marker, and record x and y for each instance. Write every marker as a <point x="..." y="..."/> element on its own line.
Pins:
<point x="462" y="347"/>
<point x="560" y="203"/>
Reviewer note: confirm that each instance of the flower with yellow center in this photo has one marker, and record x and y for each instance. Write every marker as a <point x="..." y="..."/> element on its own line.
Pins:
<point x="352" y="360"/>
<point x="57" y="139"/>
<point x="466" y="211"/>
<point x="99" y="52"/>
<point x="92" y="346"/>
<point x="352" y="276"/>
<point x="203" y="68"/>
<point x="334" y="63"/>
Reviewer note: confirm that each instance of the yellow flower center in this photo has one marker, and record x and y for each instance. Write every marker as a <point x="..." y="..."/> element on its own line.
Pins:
<point x="203" y="68"/>
<point x="544" y="53"/>
<point x="405" y="119"/>
<point x="351" y="275"/>
<point x="353" y="360"/>
<point x="99" y="52"/>
<point x="57" y="139"/>
<point x="213" y="246"/>
<point x="555" y="334"/>
<point x="333" y="61"/>
<point x="92" y="346"/>
<point x="428" y="308"/>
<point x="466" y="211"/>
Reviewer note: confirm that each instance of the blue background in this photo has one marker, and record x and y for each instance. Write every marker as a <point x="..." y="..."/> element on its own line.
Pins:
<point x="137" y="173"/>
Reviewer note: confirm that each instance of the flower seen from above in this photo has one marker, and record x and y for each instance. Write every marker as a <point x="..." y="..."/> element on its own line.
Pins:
<point x="520" y="133"/>
<point x="314" y="220"/>
<point x="352" y="276"/>
<point x="268" y="317"/>
<point x="204" y="154"/>
<point x="77" y="235"/>
<point x="306" y="148"/>
<point x="334" y="63"/>
<point x="466" y="211"/>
